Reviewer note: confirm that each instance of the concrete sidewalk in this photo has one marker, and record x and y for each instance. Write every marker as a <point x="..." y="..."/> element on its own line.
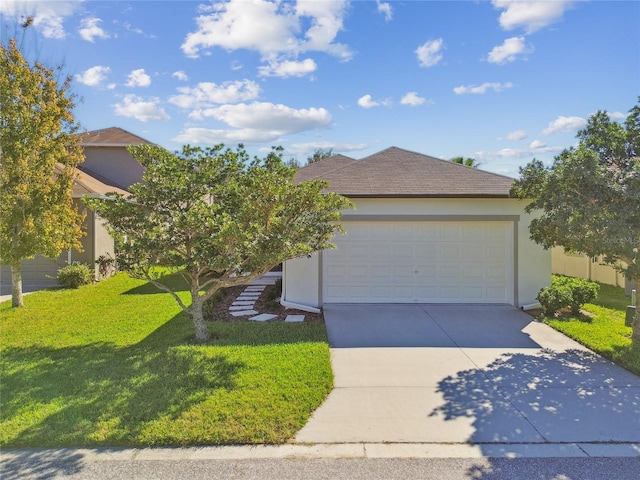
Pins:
<point x="488" y="376"/>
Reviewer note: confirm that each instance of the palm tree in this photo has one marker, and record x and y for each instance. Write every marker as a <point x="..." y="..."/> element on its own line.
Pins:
<point x="469" y="162"/>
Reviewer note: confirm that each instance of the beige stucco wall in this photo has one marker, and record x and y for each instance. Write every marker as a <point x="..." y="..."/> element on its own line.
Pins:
<point x="302" y="277"/>
<point x="582" y="266"/>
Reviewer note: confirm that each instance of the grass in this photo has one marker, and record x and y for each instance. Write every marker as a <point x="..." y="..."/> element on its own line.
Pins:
<point x="113" y="364"/>
<point x="602" y="329"/>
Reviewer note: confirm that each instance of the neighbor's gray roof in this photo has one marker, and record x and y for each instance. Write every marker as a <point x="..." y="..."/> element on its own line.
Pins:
<point x="111" y="137"/>
<point x="395" y="172"/>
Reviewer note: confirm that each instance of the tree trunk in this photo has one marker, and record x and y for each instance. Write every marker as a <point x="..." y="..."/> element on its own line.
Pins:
<point x="16" y="285"/>
<point x="202" y="331"/>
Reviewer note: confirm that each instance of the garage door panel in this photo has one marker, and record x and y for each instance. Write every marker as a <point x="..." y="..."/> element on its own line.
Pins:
<point x="449" y="262"/>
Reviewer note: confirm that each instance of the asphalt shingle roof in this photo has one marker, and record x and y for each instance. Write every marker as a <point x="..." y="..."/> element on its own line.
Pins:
<point x="395" y="172"/>
<point x="111" y="137"/>
<point x="85" y="184"/>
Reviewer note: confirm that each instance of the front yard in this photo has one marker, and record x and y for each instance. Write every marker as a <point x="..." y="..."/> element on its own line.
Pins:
<point x="601" y="328"/>
<point x="112" y="364"/>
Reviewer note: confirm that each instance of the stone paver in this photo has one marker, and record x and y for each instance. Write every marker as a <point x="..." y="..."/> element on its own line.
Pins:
<point x="244" y="313"/>
<point x="263" y="317"/>
<point x="294" y="318"/>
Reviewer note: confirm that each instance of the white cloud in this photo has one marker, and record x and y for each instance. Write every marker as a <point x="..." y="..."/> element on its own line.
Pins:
<point x="138" y="78"/>
<point x="530" y="15"/>
<point x="386" y="9"/>
<point x="90" y="29"/>
<point x="429" y="53"/>
<point x="288" y="68"/>
<point x="564" y="124"/>
<point x="412" y="99"/>
<point x="180" y="75"/>
<point x="366" y="101"/>
<point x="508" y="51"/>
<point x="481" y="89"/>
<point x="270" y="117"/>
<point x="93" y="76"/>
<point x="256" y="123"/>
<point x="536" y="145"/>
<point x="48" y="16"/>
<point x="136" y="107"/>
<point x="208" y="94"/>
<point x="515" y="135"/>
<point x="271" y="28"/>
<point x="617" y="115"/>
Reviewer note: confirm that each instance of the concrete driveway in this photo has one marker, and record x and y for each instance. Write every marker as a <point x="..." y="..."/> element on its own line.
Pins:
<point x="467" y="374"/>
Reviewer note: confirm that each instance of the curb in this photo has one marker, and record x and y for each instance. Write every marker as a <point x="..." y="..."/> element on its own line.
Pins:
<point x="329" y="450"/>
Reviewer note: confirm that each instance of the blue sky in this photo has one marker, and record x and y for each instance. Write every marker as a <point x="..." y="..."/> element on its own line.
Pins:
<point x="500" y="81"/>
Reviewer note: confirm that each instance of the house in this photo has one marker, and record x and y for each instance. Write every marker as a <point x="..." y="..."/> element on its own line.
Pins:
<point x="423" y="230"/>
<point x="108" y="167"/>
<point x="97" y="241"/>
<point x="107" y="158"/>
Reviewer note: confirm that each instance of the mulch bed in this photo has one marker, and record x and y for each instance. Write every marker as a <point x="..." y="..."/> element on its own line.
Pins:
<point x="220" y="311"/>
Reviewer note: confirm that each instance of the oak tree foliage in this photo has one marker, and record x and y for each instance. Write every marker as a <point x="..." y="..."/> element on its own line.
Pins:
<point x="589" y="199"/>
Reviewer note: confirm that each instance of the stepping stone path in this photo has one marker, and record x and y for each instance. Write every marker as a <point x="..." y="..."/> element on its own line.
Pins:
<point x="244" y="304"/>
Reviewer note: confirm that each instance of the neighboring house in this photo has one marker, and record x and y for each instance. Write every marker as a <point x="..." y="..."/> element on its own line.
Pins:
<point x="97" y="241"/>
<point x="583" y="266"/>
<point x="107" y="158"/>
<point x="424" y="230"/>
<point x="108" y="167"/>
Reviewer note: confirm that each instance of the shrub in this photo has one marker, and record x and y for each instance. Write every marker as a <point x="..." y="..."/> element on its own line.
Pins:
<point x="74" y="275"/>
<point x="554" y="298"/>
<point x="209" y="307"/>
<point x="567" y="292"/>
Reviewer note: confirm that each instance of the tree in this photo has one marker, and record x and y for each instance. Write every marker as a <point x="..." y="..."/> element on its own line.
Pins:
<point x="589" y="199"/>
<point x="217" y="218"/>
<point x="319" y="154"/>
<point x="469" y="162"/>
<point x="38" y="153"/>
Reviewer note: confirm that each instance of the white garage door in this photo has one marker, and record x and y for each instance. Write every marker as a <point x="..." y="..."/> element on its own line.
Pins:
<point x="426" y="262"/>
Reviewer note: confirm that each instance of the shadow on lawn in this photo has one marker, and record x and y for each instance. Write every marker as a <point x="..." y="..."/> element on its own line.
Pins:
<point x="571" y="396"/>
<point x="174" y="281"/>
<point x="101" y="394"/>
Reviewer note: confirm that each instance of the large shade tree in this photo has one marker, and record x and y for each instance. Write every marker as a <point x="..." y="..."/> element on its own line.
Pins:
<point x="589" y="199"/>
<point x="218" y="218"/>
<point x="38" y="153"/>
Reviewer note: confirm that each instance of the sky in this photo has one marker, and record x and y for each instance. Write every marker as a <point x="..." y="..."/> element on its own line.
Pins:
<point x="500" y="81"/>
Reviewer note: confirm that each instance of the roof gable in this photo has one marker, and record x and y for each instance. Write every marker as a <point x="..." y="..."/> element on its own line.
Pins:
<point x="111" y="137"/>
<point x="395" y="172"/>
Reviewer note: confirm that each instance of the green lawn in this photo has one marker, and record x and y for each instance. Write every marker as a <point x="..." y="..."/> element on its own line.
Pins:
<point x="112" y="364"/>
<point x="603" y="329"/>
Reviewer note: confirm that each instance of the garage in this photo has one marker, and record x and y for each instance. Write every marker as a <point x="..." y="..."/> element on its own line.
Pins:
<point x="422" y="230"/>
<point x="425" y="262"/>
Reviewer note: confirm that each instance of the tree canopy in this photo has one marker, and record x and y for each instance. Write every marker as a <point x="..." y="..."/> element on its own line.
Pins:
<point x="319" y="154"/>
<point x="218" y="218"/>
<point x="589" y="199"/>
<point x="38" y="153"/>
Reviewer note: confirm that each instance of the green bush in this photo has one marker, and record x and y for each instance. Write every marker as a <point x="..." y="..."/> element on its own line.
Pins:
<point x="74" y="275"/>
<point x="567" y="292"/>
<point x="209" y="307"/>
